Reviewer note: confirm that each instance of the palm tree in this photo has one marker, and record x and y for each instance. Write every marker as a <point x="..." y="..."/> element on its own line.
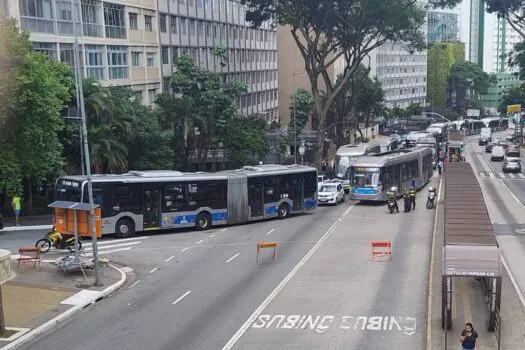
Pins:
<point x="109" y="128"/>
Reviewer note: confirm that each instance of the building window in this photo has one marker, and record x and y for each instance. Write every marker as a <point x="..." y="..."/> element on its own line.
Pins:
<point x="174" y="55"/>
<point x="138" y="96"/>
<point x="191" y="3"/>
<point x="94" y="61"/>
<point x="133" y="21"/>
<point x="150" y="59"/>
<point x="148" y="24"/>
<point x="165" y="56"/>
<point x="118" y="62"/>
<point x="65" y="17"/>
<point x="173" y="24"/>
<point x="191" y="29"/>
<point x="114" y="21"/>
<point x="163" y="27"/>
<point x="183" y="26"/>
<point x="67" y="54"/>
<point x="37" y="16"/>
<point x="152" y="95"/>
<point x="49" y="49"/>
<point x="92" y="21"/>
<point x="135" y="59"/>
<point x="182" y="2"/>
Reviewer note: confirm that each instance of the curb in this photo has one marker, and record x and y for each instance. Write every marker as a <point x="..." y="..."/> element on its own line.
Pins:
<point x="49" y="325"/>
<point x="26" y="228"/>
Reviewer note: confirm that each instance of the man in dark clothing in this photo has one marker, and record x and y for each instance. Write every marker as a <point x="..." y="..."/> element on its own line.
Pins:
<point x="413" y="195"/>
<point x="406" y="198"/>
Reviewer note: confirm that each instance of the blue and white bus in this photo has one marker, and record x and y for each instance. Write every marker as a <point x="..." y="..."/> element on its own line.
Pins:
<point x="157" y="200"/>
<point x="372" y="176"/>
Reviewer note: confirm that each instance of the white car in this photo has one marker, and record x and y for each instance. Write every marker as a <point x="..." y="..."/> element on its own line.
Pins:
<point x="331" y="193"/>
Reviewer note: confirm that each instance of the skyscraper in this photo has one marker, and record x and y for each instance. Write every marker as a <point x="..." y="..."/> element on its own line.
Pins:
<point x="443" y="26"/>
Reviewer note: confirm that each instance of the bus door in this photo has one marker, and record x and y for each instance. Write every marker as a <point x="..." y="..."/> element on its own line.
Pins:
<point x="295" y="190"/>
<point x="151" y="208"/>
<point x="255" y="199"/>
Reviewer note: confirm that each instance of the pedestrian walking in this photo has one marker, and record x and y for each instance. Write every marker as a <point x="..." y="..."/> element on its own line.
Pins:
<point x="440" y="166"/>
<point x="16" y="203"/>
<point x="469" y="338"/>
<point x="412" y="194"/>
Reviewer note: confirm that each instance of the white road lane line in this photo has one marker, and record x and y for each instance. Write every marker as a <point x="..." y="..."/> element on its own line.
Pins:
<point x="169" y="259"/>
<point x="521" y="175"/>
<point x="155" y="269"/>
<point x="512" y="176"/>
<point x="134" y="284"/>
<point x="102" y="252"/>
<point x="233" y="257"/>
<point x="482" y="175"/>
<point x="492" y="175"/>
<point x="199" y="242"/>
<point x="211" y="236"/>
<point x="114" y="246"/>
<point x="513" y="280"/>
<point x="270" y="231"/>
<point x="181" y="297"/>
<point x="224" y="229"/>
<point x="501" y="175"/>
<point x="238" y="335"/>
<point x="183" y="250"/>
<point x="101" y="242"/>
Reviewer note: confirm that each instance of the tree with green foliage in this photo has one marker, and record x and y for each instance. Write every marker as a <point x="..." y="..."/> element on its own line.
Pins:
<point x="362" y="97"/>
<point x="513" y="96"/>
<point x="325" y="31"/>
<point x="414" y="109"/>
<point x="246" y="141"/>
<point x="304" y="103"/>
<point x="31" y="148"/>
<point x="198" y="109"/>
<point x="517" y="59"/>
<point x="440" y="59"/>
<point x="469" y="76"/>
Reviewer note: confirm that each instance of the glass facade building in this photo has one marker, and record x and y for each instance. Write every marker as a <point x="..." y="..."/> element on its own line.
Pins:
<point x="442" y="27"/>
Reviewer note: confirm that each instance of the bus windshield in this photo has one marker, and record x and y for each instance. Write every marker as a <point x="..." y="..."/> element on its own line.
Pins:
<point x="342" y="163"/>
<point x="68" y="191"/>
<point x="365" y="179"/>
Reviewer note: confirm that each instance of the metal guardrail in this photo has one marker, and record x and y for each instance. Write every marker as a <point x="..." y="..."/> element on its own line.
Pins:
<point x="498" y="327"/>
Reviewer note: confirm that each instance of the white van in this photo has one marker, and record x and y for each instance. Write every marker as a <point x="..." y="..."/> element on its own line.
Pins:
<point x="485" y="136"/>
<point x="498" y="153"/>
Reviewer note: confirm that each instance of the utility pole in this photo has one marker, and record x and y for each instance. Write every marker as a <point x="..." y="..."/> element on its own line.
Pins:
<point x="294" y="121"/>
<point x="84" y="140"/>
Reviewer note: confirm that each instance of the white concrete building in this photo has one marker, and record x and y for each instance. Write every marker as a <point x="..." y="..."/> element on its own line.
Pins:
<point x="195" y="27"/>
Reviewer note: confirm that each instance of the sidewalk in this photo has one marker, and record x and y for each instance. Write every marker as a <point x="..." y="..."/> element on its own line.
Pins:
<point x="35" y="301"/>
<point x="39" y="222"/>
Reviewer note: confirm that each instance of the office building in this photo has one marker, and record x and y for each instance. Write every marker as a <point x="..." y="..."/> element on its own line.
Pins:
<point x="135" y="43"/>
<point x="504" y="37"/>
<point x="119" y="43"/>
<point x="195" y="27"/>
<point x="443" y="26"/>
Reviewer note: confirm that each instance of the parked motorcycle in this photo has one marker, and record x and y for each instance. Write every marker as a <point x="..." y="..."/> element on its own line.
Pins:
<point x="56" y="240"/>
<point x="431" y="197"/>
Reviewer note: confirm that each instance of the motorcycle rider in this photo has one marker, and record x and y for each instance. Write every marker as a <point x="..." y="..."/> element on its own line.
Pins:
<point x="413" y="195"/>
<point x="391" y="196"/>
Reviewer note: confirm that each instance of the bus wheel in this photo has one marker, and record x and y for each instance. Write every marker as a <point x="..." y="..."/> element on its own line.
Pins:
<point x="203" y="221"/>
<point x="284" y="211"/>
<point x="125" y="228"/>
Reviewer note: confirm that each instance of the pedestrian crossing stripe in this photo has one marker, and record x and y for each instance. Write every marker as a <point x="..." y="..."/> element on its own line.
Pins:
<point x="491" y="175"/>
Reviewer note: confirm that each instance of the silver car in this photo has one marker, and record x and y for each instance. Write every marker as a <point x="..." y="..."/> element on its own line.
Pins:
<point x="512" y="165"/>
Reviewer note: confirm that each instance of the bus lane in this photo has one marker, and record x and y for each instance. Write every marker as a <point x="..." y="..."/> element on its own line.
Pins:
<point x="197" y="301"/>
<point x="341" y="299"/>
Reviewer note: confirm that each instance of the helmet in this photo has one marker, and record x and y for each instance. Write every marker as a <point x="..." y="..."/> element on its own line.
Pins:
<point x="393" y="189"/>
<point x="431" y="189"/>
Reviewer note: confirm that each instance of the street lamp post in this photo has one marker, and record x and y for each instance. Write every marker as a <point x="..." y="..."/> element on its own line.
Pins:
<point x="294" y="121"/>
<point x="80" y="96"/>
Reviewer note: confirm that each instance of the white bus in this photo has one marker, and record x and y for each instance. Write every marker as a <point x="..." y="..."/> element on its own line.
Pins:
<point x="157" y="200"/>
<point x="348" y="154"/>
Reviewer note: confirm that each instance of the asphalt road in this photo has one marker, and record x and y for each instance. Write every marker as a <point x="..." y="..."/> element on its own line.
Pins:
<point x="195" y="290"/>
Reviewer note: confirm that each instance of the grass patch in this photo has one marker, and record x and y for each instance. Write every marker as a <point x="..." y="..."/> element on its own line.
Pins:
<point x="7" y="333"/>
